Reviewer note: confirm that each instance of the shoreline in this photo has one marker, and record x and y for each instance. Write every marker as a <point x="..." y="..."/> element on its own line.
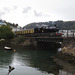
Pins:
<point x="66" y="59"/>
<point x="67" y="54"/>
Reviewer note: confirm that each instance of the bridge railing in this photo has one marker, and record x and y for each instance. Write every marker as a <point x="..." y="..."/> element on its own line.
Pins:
<point x="68" y="33"/>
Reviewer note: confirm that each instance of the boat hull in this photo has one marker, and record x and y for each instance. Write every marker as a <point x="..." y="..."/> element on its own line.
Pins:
<point x="7" y="48"/>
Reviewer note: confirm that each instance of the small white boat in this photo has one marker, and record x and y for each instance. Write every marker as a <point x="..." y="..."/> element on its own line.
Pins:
<point x="7" y="48"/>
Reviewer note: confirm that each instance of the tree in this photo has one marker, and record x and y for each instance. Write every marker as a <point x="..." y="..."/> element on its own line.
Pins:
<point x="6" y="32"/>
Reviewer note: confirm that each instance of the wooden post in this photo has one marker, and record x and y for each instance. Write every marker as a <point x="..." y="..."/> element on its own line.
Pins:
<point x="67" y="33"/>
<point x="73" y="33"/>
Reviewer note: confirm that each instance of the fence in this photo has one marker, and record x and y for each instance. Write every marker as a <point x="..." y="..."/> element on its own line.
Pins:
<point x="68" y="33"/>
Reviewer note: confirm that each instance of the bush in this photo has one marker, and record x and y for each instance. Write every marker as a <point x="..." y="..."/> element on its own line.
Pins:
<point x="6" y="32"/>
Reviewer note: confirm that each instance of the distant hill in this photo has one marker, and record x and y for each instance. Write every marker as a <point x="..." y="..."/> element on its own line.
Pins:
<point x="61" y="24"/>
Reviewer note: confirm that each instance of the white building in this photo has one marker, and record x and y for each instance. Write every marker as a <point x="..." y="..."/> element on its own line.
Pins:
<point x="18" y="28"/>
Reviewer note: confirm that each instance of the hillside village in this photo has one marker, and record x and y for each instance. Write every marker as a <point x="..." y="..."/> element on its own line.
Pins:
<point x="13" y="26"/>
<point x="64" y="26"/>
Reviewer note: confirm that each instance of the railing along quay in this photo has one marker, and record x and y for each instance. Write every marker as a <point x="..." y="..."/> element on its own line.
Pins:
<point x="68" y="35"/>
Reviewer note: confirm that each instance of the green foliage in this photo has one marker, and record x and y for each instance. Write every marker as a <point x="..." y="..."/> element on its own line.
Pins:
<point x="6" y="32"/>
<point x="10" y="24"/>
<point x="19" y="39"/>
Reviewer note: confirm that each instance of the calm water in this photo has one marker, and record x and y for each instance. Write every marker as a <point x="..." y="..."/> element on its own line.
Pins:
<point x="29" y="62"/>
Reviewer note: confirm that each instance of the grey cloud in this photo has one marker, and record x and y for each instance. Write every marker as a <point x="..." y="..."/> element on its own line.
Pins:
<point x="26" y="10"/>
<point x="37" y="14"/>
<point x="40" y="14"/>
<point x="8" y="9"/>
<point x="15" y="7"/>
<point x="5" y="9"/>
<point x="2" y="13"/>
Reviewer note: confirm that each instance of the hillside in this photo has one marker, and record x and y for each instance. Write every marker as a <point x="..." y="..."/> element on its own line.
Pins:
<point x="61" y="24"/>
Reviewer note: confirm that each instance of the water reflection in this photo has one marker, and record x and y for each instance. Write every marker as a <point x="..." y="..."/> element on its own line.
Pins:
<point x="5" y="58"/>
<point x="29" y="62"/>
<point x="61" y="72"/>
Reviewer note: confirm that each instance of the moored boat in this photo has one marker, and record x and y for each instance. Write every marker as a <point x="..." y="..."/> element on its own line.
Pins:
<point x="7" y="48"/>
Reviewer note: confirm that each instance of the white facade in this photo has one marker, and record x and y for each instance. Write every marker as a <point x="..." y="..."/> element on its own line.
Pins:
<point x="18" y="28"/>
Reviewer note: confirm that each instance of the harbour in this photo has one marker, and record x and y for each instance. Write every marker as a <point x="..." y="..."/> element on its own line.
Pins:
<point x="38" y="51"/>
<point x="29" y="62"/>
<point x="32" y="62"/>
<point x="37" y="37"/>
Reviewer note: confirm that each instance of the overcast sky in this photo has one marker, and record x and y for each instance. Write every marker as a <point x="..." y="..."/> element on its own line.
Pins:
<point x="24" y="12"/>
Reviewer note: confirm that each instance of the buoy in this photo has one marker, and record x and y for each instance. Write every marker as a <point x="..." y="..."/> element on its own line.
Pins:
<point x="14" y="50"/>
